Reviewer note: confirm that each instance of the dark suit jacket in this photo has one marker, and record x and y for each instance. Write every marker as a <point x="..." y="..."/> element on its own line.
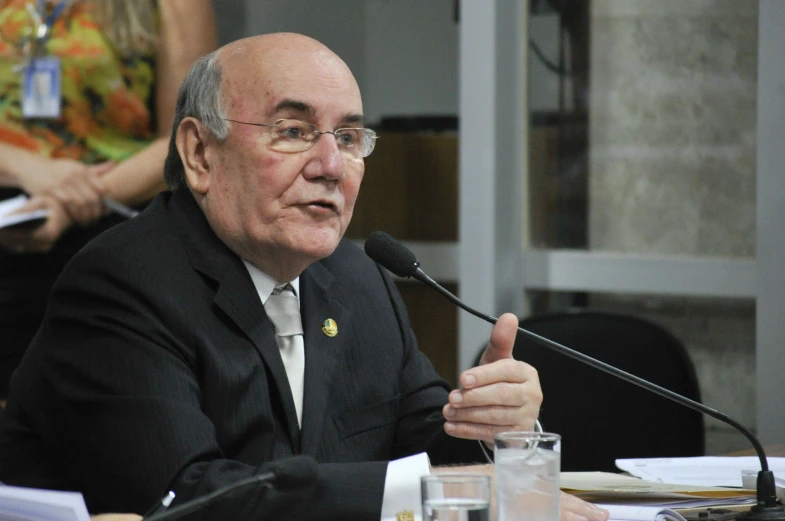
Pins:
<point x="156" y="368"/>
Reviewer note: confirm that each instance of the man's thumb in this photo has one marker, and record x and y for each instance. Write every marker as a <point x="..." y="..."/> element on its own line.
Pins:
<point x="502" y="339"/>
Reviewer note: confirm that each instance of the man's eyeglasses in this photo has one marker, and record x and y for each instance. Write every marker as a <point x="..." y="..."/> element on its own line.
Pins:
<point x="292" y="136"/>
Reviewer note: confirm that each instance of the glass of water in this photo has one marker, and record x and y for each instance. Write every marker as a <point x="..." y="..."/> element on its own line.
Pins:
<point x="456" y="497"/>
<point x="527" y="475"/>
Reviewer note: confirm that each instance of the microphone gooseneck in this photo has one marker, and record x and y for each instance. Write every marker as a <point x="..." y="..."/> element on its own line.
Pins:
<point x="400" y="260"/>
<point x="285" y="475"/>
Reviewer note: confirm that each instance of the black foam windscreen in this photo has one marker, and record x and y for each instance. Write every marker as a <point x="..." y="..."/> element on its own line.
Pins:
<point x="391" y="254"/>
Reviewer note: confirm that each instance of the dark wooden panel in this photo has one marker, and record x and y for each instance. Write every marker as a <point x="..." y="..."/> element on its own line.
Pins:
<point x="435" y="322"/>
<point x="410" y="188"/>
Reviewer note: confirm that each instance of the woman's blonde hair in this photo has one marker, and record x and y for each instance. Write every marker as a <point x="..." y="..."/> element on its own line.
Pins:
<point x="131" y="25"/>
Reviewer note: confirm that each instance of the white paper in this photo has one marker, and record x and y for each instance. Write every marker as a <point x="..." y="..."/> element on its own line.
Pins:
<point x="32" y="504"/>
<point x="716" y="471"/>
<point x="11" y="205"/>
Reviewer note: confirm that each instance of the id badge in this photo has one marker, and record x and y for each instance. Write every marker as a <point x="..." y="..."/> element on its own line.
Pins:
<point x="41" y="89"/>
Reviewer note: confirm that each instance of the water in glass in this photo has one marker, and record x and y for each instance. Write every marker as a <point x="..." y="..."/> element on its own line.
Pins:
<point x="456" y="509"/>
<point x="527" y="482"/>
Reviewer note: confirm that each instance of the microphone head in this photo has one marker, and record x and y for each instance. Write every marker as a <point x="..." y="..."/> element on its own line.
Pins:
<point x="391" y="254"/>
<point x="295" y="473"/>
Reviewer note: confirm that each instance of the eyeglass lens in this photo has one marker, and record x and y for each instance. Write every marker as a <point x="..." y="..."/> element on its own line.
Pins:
<point x="291" y="135"/>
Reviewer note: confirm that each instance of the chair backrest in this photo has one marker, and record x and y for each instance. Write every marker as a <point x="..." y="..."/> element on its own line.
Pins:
<point x="599" y="416"/>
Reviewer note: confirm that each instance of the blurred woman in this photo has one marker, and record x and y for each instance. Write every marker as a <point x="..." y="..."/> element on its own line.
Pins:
<point x="87" y="94"/>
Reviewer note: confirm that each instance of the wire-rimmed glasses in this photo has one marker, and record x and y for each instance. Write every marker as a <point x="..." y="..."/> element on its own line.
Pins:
<point x="293" y="135"/>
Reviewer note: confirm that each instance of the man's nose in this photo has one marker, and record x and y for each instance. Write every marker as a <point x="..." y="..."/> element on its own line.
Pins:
<point x="326" y="160"/>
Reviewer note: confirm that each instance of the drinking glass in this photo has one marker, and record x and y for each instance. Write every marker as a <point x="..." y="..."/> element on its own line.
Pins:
<point x="456" y="497"/>
<point x="527" y="475"/>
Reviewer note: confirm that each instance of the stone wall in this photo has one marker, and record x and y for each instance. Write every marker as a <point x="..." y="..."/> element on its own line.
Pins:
<point x="672" y="169"/>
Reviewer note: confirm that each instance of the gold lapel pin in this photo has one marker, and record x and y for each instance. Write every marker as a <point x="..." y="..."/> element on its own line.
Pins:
<point x="330" y="327"/>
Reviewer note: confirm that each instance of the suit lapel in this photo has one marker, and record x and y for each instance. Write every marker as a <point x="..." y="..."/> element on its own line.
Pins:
<point x="237" y="298"/>
<point x="235" y="295"/>
<point x="321" y="350"/>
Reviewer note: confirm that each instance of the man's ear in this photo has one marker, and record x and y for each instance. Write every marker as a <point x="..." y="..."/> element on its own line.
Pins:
<point x="192" y="144"/>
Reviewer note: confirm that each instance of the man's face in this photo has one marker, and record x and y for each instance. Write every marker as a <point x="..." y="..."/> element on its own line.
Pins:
<point x="283" y="211"/>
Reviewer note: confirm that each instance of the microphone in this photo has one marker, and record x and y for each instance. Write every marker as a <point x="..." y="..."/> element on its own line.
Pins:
<point x="289" y="474"/>
<point x="391" y="254"/>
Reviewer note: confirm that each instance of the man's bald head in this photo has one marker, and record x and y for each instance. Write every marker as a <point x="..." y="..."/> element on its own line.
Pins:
<point x="257" y="51"/>
<point x="222" y="81"/>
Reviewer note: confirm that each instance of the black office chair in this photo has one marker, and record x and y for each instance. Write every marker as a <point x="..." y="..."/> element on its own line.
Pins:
<point x="599" y="416"/>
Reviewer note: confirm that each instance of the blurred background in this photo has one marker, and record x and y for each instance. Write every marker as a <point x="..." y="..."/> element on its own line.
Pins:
<point x="608" y="158"/>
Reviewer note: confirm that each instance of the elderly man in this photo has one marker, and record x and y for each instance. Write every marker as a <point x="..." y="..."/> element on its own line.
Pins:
<point x="164" y="361"/>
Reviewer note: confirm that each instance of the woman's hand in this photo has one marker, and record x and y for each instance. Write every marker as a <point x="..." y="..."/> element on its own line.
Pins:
<point x="81" y="193"/>
<point x="77" y="186"/>
<point x="41" y="239"/>
<point x="38" y="174"/>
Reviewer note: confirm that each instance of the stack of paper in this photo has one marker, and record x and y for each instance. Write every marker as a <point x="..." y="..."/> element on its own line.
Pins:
<point x="32" y="504"/>
<point x="604" y="487"/>
<point x="729" y="471"/>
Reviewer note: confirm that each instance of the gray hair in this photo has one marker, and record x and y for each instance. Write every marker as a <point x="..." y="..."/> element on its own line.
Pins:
<point x="199" y="97"/>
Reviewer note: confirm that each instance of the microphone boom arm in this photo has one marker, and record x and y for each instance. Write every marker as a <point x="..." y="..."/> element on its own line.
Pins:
<point x="388" y="252"/>
<point x="602" y="366"/>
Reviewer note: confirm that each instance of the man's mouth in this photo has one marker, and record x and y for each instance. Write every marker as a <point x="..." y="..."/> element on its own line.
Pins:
<point x="327" y="205"/>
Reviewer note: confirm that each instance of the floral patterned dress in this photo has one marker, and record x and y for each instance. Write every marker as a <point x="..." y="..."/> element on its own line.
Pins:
<point x="106" y="99"/>
<point x="107" y="113"/>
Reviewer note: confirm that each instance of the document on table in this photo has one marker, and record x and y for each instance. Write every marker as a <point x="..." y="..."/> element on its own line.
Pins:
<point x="607" y="483"/>
<point x="605" y="487"/>
<point x="725" y="471"/>
<point x="32" y="504"/>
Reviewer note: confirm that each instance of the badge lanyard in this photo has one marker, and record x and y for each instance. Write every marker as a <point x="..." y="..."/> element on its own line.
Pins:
<point x="41" y="75"/>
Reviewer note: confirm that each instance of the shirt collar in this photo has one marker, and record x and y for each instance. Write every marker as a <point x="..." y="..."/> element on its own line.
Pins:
<point x="265" y="284"/>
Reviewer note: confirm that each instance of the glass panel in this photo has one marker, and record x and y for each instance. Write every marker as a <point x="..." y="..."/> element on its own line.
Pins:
<point x="719" y="335"/>
<point x="643" y="125"/>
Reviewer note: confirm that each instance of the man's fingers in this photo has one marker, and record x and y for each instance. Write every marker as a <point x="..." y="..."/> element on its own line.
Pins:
<point x="504" y="393"/>
<point x="516" y="418"/>
<point x="475" y="431"/>
<point x="572" y="508"/>
<point x="508" y="370"/>
<point x="567" y="515"/>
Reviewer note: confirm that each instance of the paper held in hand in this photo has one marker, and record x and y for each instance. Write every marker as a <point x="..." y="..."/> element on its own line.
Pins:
<point x="32" y="504"/>
<point x="8" y="219"/>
